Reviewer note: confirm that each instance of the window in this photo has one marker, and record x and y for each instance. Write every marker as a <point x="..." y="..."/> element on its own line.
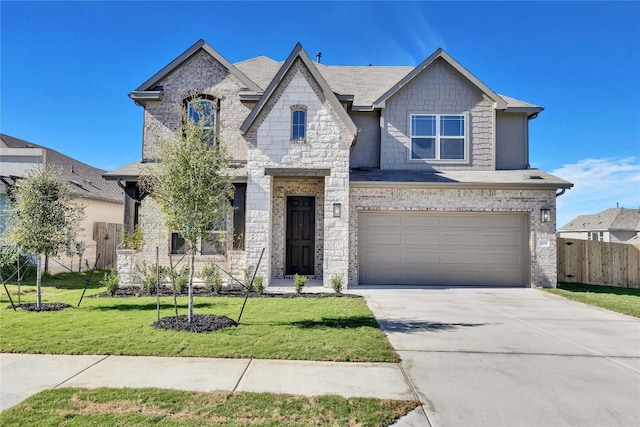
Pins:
<point x="596" y="236"/>
<point x="298" y="123"/>
<point x="202" y="109"/>
<point x="214" y="244"/>
<point x="438" y="137"/>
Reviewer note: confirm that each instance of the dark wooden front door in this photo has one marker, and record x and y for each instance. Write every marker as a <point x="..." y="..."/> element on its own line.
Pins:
<point x="301" y="233"/>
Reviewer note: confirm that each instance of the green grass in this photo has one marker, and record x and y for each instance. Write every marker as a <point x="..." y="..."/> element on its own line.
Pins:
<point x="157" y="407"/>
<point x="622" y="300"/>
<point x="337" y="329"/>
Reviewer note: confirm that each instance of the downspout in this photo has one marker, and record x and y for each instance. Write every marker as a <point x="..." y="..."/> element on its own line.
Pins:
<point x="561" y="192"/>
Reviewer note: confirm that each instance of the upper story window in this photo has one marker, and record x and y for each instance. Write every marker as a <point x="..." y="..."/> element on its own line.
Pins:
<point x="202" y="109"/>
<point x="438" y="137"/>
<point x="298" y="123"/>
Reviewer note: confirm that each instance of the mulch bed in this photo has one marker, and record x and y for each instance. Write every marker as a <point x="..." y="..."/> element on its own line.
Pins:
<point x="202" y="292"/>
<point x="200" y="323"/>
<point x="46" y="306"/>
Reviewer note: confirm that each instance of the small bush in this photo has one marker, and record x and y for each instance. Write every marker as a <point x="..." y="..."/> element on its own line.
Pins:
<point x="134" y="240"/>
<point x="110" y="280"/>
<point x="299" y="282"/>
<point x="248" y="275"/>
<point x="259" y="284"/>
<point x="212" y="277"/>
<point x="182" y="279"/>
<point x="337" y="282"/>
<point x="148" y="275"/>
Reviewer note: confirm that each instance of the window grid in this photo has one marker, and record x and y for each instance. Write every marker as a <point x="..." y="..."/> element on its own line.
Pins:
<point x="438" y="137"/>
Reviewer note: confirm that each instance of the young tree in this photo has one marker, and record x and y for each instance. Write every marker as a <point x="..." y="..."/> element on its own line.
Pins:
<point x="45" y="219"/>
<point x="188" y="180"/>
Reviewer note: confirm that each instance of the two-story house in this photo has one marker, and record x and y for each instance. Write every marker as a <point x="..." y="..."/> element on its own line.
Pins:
<point x="386" y="175"/>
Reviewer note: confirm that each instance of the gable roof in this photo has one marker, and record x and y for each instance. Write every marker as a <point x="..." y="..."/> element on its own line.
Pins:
<point x="613" y="219"/>
<point x="200" y="44"/>
<point x="299" y="53"/>
<point x="440" y="53"/>
<point x="86" y="181"/>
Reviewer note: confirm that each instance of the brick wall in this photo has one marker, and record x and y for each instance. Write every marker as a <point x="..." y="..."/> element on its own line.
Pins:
<point x="542" y="239"/>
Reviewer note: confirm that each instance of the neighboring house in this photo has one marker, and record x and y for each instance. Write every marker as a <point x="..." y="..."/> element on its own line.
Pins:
<point x="102" y="200"/>
<point x="386" y="175"/>
<point x="617" y="225"/>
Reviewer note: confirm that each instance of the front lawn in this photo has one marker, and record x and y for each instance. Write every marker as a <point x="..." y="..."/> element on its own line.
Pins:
<point x="337" y="329"/>
<point x="622" y="300"/>
<point x="157" y="407"/>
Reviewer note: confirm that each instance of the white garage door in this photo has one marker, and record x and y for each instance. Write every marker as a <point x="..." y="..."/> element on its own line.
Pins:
<point x="417" y="248"/>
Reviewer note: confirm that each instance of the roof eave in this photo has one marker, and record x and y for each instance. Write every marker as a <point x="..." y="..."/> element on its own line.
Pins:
<point x="472" y="185"/>
<point x="140" y="97"/>
<point x="501" y="104"/>
<point x="200" y="44"/>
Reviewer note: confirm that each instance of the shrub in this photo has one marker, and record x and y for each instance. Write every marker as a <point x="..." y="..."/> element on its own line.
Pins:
<point x="134" y="240"/>
<point x="212" y="277"/>
<point x="299" y="282"/>
<point x="148" y="276"/>
<point x="110" y="280"/>
<point x="337" y="282"/>
<point x="248" y="275"/>
<point x="259" y="284"/>
<point x="182" y="278"/>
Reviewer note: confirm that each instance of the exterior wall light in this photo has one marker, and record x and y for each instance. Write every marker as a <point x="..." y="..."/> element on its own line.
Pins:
<point x="545" y="215"/>
<point x="337" y="210"/>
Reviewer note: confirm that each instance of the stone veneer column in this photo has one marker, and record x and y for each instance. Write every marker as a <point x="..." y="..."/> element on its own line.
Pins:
<point x="258" y="221"/>
<point x="336" y="230"/>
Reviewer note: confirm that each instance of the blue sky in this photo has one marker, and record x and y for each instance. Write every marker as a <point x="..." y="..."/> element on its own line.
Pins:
<point x="67" y="67"/>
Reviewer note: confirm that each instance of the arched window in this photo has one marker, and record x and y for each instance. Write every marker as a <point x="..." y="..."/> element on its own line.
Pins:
<point x="202" y="109"/>
<point x="298" y="123"/>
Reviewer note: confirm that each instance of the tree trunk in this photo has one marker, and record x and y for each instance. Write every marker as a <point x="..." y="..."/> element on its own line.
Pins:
<point x="192" y="256"/>
<point x="39" y="282"/>
<point x="175" y="290"/>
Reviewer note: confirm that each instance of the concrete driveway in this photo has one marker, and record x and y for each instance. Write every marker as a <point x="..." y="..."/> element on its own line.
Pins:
<point x="512" y="357"/>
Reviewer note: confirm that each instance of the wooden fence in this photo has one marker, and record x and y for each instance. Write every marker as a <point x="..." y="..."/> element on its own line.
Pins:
<point x="107" y="237"/>
<point x="598" y="263"/>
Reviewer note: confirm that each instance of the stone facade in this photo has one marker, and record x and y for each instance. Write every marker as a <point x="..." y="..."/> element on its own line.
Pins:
<point x="326" y="146"/>
<point x="542" y="238"/>
<point x="438" y="89"/>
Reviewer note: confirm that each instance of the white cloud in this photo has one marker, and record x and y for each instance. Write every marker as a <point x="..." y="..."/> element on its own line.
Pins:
<point x="598" y="185"/>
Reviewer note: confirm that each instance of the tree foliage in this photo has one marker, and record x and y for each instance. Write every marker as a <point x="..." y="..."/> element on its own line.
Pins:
<point x="45" y="217"/>
<point x="189" y="184"/>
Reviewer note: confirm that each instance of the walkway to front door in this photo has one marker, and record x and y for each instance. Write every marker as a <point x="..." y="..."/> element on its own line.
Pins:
<point x="300" y="235"/>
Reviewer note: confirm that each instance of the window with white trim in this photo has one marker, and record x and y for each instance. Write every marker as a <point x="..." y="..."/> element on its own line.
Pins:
<point x="438" y="137"/>
<point x="298" y="123"/>
<point x="596" y="236"/>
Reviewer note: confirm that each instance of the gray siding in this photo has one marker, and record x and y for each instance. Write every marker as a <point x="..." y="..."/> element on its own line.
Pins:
<point x="366" y="152"/>
<point x="512" y="145"/>
<point x="438" y="89"/>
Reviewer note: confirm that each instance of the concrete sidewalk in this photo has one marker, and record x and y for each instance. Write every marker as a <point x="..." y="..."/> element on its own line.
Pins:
<point x="22" y="375"/>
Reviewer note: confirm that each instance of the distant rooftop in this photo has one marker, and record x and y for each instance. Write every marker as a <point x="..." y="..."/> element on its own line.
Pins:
<point x="85" y="181"/>
<point x="619" y="219"/>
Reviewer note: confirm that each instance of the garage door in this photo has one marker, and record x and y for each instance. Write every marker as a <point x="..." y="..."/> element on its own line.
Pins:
<point x="417" y="248"/>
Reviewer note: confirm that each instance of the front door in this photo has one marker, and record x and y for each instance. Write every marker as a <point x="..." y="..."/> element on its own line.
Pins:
<point x="301" y="232"/>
